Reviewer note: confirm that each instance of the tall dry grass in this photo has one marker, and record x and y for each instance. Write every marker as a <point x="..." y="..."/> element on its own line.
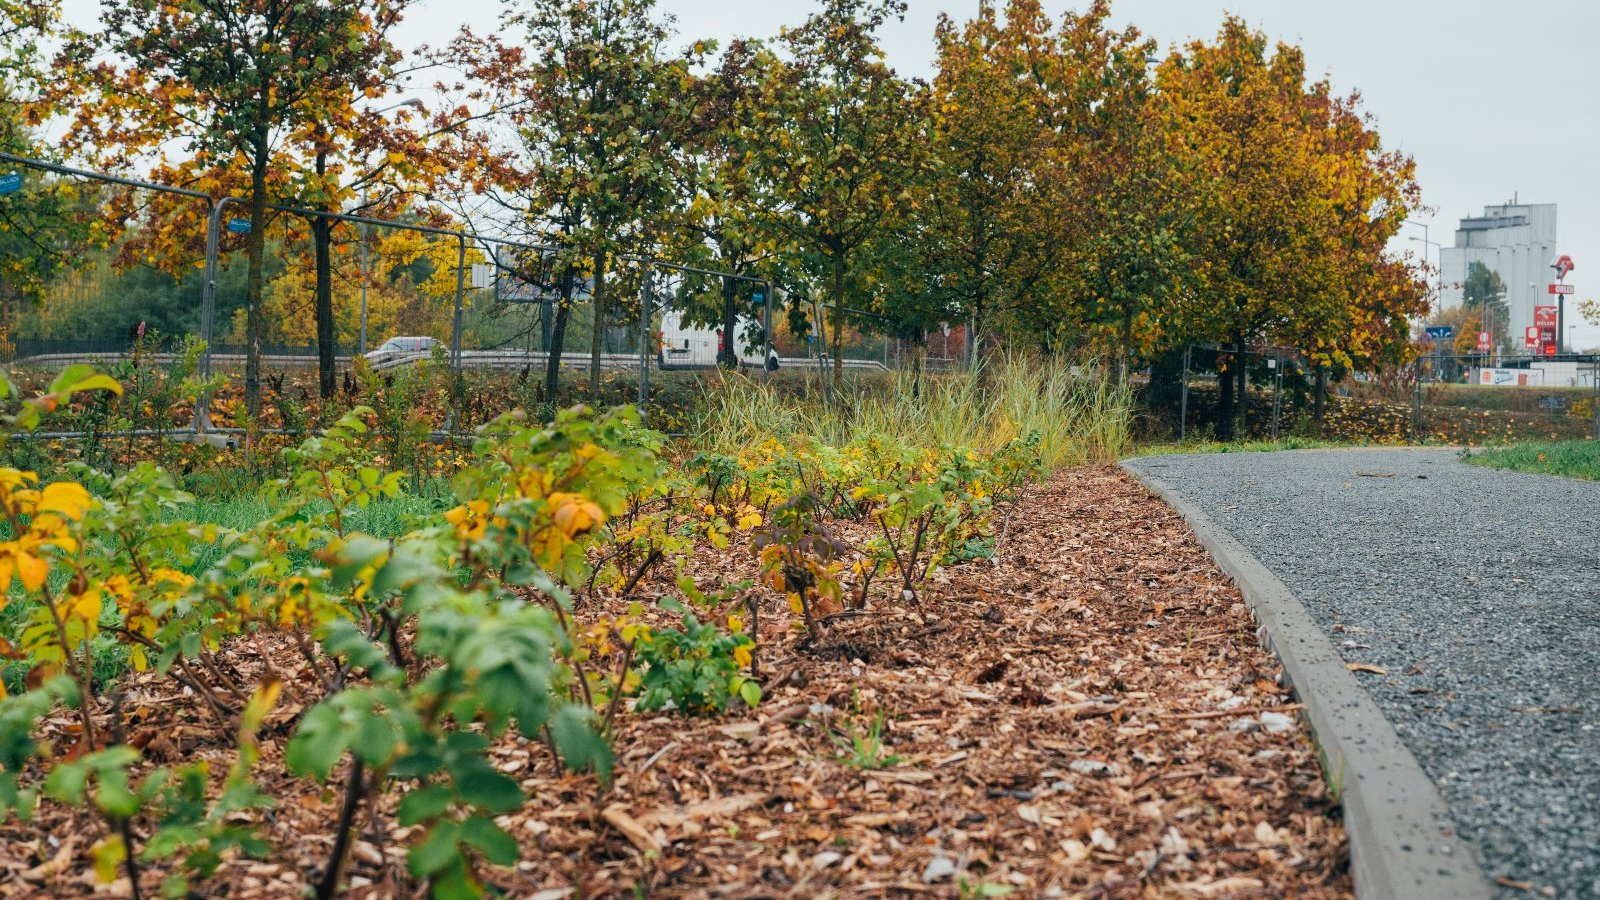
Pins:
<point x="1082" y="415"/>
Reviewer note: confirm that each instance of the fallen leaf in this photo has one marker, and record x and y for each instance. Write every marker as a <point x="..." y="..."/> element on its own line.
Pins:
<point x="618" y="818"/>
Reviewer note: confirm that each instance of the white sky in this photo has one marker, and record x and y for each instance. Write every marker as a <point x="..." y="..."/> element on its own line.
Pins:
<point x="1493" y="98"/>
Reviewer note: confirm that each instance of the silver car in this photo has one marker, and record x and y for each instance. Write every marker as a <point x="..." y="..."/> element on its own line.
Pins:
<point x="396" y="347"/>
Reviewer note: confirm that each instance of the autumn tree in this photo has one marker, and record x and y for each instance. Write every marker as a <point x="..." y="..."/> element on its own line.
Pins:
<point x="716" y="225"/>
<point x="595" y="104"/>
<point x="1485" y="292"/>
<point x="972" y="239"/>
<point x="1287" y="243"/>
<point x="47" y="223"/>
<point x="837" y="140"/>
<point x="1124" y="247"/>
<point x="228" y="83"/>
<point x="357" y="150"/>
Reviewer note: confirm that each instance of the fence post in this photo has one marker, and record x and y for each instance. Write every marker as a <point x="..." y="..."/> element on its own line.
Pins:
<point x="208" y="311"/>
<point x="1183" y="404"/>
<point x="766" y="350"/>
<point x="646" y="302"/>
<point x="461" y="286"/>
<point x="1416" y="406"/>
<point x="1277" y="392"/>
<point x="455" y="333"/>
<point x="1596" y="379"/>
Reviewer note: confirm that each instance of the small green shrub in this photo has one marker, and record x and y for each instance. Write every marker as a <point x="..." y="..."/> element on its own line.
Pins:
<point x="698" y="670"/>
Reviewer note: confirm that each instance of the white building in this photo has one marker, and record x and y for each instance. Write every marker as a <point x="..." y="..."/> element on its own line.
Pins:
<point x="1516" y="240"/>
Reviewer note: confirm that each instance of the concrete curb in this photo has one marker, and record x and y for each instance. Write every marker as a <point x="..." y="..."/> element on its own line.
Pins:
<point x="1402" y="843"/>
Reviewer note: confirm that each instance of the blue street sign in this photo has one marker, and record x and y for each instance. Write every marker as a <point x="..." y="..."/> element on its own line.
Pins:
<point x="757" y="298"/>
<point x="239" y="226"/>
<point x="10" y="184"/>
<point x="1441" y="332"/>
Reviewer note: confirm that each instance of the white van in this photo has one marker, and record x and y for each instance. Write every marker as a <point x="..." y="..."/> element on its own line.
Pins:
<point x="690" y="347"/>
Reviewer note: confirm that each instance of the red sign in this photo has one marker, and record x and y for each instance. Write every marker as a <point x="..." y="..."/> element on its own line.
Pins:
<point x="1562" y="288"/>
<point x="1550" y="349"/>
<point x="1563" y="265"/>
<point x="1544" y="316"/>
<point x="1483" y="341"/>
<point x="1530" y="337"/>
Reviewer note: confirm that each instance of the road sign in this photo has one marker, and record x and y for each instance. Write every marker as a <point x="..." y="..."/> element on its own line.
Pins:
<point x="482" y="275"/>
<point x="239" y="226"/>
<point x="758" y="298"/>
<point x="10" y="184"/>
<point x="1562" y="288"/>
<point x="1441" y="332"/>
<point x="1483" y="342"/>
<point x="1530" y="336"/>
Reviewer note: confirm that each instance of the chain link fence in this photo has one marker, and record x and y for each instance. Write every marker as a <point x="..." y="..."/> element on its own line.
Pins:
<point x="1440" y="398"/>
<point x="163" y="285"/>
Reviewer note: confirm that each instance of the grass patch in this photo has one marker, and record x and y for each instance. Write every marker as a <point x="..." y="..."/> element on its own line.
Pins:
<point x="1081" y="417"/>
<point x="1291" y="442"/>
<point x="1572" y="459"/>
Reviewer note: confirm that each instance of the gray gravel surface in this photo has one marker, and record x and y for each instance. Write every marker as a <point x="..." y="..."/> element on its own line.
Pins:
<point x="1478" y="591"/>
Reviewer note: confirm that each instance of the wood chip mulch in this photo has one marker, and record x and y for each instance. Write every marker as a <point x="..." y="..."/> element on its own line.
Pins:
<point x="1082" y="719"/>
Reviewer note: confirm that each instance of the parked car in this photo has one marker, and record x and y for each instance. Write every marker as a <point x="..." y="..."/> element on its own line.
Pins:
<point x="396" y="346"/>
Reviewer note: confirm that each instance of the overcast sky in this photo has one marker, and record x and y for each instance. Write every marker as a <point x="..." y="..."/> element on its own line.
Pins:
<point x="1494" y="99"/>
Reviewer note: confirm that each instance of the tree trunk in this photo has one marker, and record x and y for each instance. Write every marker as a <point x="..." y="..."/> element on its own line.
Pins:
<point x="322" y="241"/>
<point x="558" y="338"/>
<point x="1225" y="382"/>
<point x="838" y="318"/>
<point x="727" y="355"/>
<point x="255" y="249"/>
<point x="597" y="334"/>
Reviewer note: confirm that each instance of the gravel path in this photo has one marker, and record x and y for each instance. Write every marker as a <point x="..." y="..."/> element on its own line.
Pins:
<point x="1478" y="591"/>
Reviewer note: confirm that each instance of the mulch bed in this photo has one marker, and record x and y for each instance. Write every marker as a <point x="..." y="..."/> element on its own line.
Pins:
<point x="1072" y="721"/>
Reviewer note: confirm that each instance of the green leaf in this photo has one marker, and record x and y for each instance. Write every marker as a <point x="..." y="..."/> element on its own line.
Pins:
<point x="113" y="796"/>
<point x="750" y="692"/>
<point x="318" y="743"/>
<point x="437" y="852"/>
<point x="578" y="743"/>
<point x="488" y="789"/>
<point x="454" y="884"/>
<point x="424" y="804"/>
<point x="82" y="377"/>
<point x="66" y="783"/>
<point x="496" y="846"/>
<point x="374" y="740"/>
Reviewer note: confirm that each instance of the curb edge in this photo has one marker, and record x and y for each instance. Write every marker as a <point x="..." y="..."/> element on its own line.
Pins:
<point x="1403" y="844"/>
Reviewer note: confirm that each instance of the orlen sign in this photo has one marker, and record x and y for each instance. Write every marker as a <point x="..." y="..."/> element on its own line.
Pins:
<point x="1544" y="319"/>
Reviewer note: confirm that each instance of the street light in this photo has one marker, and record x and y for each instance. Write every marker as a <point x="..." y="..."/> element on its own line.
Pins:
<point x="414" y="103"/>
<point x="1438" y="290"/>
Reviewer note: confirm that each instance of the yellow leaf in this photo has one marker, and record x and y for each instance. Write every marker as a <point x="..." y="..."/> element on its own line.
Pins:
<point x="66" y="498"/>
<point x="31" y="570"/>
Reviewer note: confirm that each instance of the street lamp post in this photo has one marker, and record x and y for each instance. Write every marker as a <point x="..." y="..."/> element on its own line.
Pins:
<point x="365" y="232"/>
<point x="1438" y="292"/>
<point x="1438" y="274"/>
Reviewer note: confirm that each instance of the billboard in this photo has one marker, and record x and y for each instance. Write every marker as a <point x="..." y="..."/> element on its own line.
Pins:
<point x="1511" y="377"/>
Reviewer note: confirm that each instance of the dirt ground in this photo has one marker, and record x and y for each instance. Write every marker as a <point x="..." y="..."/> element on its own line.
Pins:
<point x="1081" y="718"/>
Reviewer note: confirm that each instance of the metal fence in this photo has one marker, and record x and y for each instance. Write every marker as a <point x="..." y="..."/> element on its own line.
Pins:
<point x="1439" y="398"/>
<point x="402" y="292"/>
